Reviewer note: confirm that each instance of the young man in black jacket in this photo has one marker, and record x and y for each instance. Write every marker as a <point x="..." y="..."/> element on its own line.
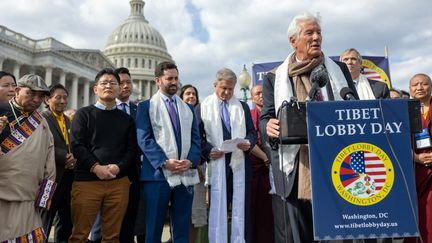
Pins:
<point x="104" y="143"/>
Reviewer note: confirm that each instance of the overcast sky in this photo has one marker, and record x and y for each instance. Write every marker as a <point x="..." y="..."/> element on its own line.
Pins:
<point x="205" y="35"/>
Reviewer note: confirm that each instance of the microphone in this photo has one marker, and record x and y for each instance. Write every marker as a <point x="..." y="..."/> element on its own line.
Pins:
<point x="347" y="94"/>
<point x="319" y="78"/>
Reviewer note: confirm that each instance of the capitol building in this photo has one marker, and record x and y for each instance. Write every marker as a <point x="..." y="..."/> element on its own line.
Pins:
<point x="135" y="44"/>
<point x="138" y="46"/>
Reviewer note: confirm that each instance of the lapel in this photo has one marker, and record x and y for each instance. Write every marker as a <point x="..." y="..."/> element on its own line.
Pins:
<point x="68" y="125"/>
<point x="133" y="110"/>
<point x="375" y="88"/>
<point x="51" y="119"/>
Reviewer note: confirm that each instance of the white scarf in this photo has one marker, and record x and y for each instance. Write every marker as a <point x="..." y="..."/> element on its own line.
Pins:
<point x="165" y="137"/>
<point x="283" y="91"/>
<point x="211" y="117"/>
<point x="364" y="89"/>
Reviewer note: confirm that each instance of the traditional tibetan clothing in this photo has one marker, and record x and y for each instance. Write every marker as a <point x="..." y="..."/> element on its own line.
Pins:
<point x="27" y="174"/>
<point x="261" y="200"/>
<point x="423" y="176"/>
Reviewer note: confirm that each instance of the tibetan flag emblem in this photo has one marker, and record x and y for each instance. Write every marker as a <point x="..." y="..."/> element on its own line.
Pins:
<point x="362" y="174"/>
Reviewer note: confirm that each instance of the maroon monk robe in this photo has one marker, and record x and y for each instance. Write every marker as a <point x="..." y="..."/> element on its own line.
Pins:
<point x="261" y="202"/>
<point x="423" y="176"/>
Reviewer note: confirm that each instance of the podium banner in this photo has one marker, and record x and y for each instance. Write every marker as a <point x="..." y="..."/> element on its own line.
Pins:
<point x="361" y="170"/>
<point x="259" y="70"/>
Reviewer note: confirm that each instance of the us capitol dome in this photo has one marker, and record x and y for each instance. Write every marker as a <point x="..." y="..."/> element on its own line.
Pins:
<point x="139" y="47"/>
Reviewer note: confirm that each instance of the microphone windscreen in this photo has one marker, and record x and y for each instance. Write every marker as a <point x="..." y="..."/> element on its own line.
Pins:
<point x="320" y="76"/>
<point x="347" y="93"/>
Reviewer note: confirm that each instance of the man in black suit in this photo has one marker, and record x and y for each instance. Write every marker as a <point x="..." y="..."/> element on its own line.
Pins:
<point x="366" y="89"/>
<point x="59" y="125"/>
<point x="124" y="104"/>
<point x="126" y="88"/>
<point x="291" y="79"/>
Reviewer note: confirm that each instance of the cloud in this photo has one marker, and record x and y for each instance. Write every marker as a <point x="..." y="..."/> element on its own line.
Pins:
<point x="403" y="71"/>
<point x="238" y="32"/>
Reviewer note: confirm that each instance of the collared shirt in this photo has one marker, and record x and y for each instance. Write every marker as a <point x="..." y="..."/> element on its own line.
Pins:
<point x="127" y="105"/>
<point x="103" y="107"/>
<point x="220" y="102"/>
<point x="61" y="122"/>
<point x="165" y="98"/>
<point x="356" y="81"/>
<point x="324" y="92"/>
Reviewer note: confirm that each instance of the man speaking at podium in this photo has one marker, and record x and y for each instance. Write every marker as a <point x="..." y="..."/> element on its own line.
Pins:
<point x="293" y="79"/>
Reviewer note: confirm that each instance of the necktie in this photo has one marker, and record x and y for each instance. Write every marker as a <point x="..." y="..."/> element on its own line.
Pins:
<point x="226" y="116"/>
<point x="123" y="105"/>
<point x="172" y="112"/>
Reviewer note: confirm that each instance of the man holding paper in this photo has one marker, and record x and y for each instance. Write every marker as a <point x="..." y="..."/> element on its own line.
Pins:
<point x="223" y="117"/>
<point x="168" y="136"/>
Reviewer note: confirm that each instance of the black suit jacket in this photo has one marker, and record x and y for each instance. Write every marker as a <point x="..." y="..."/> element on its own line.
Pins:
<point x="60" y="147"/>
<point x="283" y="186"/>
<point x="134" y="168"/>
<point x="133" y="110"/>
<point x="380" y="89"/>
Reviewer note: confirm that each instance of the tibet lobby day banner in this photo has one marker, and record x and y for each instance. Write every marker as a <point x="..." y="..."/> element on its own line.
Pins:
<point x="361" y="170"/>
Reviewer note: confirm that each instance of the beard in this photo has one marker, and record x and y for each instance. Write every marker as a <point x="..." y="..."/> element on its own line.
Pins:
<point x="171" y="89"/>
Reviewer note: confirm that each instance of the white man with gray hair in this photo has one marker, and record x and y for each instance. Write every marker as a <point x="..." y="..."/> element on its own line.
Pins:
<point x="366" y="89"/>
<point x="292" y="79"/>
<point x="223" y="117"/>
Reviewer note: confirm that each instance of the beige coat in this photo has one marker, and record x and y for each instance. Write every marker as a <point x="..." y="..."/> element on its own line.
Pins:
<point x="21" y="171"/>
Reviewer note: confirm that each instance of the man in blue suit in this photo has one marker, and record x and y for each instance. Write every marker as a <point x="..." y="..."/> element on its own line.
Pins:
<point x="169" y="138"/>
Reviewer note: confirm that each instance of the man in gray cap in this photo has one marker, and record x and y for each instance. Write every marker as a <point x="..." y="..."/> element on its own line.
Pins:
<point x="27" y="165"/>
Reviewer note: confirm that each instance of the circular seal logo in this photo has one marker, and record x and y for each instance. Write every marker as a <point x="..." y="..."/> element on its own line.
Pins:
<point x="362" y="174"/>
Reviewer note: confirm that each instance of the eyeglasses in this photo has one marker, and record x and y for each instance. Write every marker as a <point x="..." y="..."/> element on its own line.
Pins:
<point x="105" y="84"/>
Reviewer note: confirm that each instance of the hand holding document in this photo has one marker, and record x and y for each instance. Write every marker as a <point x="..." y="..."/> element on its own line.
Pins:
<point x="229" y="146"/>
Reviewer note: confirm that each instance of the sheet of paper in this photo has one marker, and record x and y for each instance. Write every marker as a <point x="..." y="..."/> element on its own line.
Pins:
<point x="229" y="146"/>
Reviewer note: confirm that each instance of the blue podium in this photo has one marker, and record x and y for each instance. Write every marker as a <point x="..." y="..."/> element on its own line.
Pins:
<point x="361" y="169"/>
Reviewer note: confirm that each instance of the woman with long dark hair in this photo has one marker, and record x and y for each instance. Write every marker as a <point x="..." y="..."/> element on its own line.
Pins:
<point x="189" y="94"/>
